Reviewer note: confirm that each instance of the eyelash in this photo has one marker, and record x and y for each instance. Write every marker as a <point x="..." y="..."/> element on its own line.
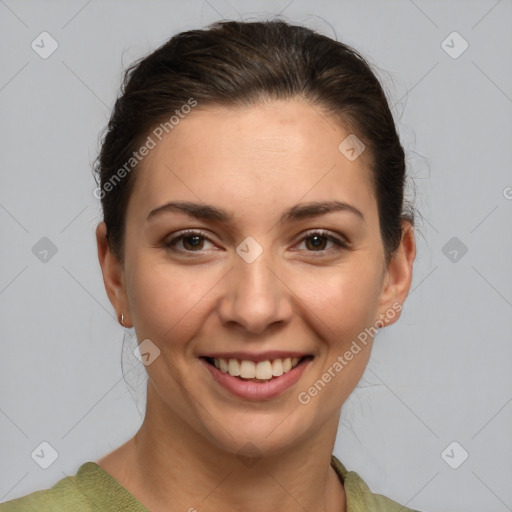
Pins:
<point x="341" y="245"/>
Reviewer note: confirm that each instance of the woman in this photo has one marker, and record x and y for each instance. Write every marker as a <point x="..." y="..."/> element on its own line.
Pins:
<point x="255" y="237"/>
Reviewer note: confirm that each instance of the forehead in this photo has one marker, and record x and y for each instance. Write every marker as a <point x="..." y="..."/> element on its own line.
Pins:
<point x="275" y="152"/>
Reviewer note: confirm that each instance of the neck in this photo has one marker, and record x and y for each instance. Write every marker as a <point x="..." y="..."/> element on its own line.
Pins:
<point x="168" y="466"/>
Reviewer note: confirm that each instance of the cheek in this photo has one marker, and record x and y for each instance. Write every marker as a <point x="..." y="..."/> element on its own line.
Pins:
<point x="344" y="303"/>
<point x="169" y="302"/>
<point x="345" y="300"/>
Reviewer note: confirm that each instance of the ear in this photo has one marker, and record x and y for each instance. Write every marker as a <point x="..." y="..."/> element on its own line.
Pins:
<point x="113" y="275"/>
<point x="397" y="280"/>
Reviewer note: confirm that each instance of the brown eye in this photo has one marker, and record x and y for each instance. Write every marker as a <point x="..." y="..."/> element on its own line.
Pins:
<point x="193" y="242"/>
<point x="318" y="241"/>
<point x="188" y="242"/>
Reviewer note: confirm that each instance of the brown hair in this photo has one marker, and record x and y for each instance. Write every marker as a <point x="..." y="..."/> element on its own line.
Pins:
<point x="239" y="64"/>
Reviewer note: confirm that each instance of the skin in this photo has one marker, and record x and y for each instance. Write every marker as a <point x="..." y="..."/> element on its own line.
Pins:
<point x="255" y="163"/>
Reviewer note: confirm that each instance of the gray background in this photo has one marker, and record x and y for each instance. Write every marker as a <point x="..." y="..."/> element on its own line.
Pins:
<point x="441" y="374"/>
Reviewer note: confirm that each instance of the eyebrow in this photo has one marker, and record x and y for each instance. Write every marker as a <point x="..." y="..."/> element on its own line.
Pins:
<point x="209" y="212"/>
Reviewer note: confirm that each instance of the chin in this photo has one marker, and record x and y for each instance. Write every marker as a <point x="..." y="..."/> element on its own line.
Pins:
<point x="259" y="433"/>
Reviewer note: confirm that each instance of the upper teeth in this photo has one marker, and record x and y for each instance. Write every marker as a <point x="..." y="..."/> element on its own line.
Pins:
<point x="263" y="370"/>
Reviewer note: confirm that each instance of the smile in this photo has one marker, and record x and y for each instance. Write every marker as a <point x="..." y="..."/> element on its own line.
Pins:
<point x="256" y="380"/>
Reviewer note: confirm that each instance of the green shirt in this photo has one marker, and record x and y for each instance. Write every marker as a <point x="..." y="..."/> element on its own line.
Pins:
<point x="93" y="490"/>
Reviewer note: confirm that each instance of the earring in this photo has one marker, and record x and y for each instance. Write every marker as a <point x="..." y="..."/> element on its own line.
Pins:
<point x="122" y="319"/>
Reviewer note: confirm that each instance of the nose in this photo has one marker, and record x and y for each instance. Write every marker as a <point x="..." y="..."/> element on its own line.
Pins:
<point x="256" y="297"/>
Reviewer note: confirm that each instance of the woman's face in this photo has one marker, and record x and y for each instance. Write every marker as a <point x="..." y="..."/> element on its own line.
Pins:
<point x="271" y="250"/>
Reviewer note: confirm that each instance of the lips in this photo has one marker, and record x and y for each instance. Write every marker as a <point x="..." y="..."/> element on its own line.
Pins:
<point x="252" y="387"/>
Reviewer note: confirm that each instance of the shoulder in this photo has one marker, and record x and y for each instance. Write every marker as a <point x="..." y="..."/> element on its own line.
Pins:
<point x="66" y="496"/>
<point x="91" y="490"/>
<point x="359" y="496"/>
